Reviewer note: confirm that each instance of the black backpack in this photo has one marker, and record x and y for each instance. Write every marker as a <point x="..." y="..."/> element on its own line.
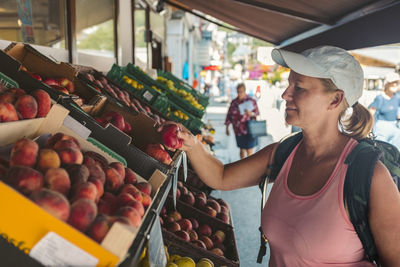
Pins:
<point x="361" y="163"/>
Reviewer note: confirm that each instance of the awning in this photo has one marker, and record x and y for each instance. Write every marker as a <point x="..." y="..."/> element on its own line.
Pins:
<point x="297" y="25"/>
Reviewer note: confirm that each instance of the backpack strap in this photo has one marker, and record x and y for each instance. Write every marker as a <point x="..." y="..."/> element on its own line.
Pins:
<point x="361" y="163"/>
<point x="281" y="153"/>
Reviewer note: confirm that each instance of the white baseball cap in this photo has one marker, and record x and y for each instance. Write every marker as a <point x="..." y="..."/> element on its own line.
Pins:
<point x="327" y="62"/>
<point x="392" y="77"/>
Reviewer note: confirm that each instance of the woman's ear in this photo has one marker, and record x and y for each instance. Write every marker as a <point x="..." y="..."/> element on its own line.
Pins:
<point x="336" y="100"/>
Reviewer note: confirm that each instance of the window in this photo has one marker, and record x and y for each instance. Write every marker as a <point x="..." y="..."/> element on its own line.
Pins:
<point x="140" y="31"/>
<point x="40" y="22"/>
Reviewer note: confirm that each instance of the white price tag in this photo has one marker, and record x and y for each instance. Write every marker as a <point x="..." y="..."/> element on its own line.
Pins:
<point x="148" y="96"/>
<point x="53" y="250"/>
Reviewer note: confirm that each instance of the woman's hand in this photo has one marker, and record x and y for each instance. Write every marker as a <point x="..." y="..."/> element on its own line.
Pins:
<point x="227" y="130"/>
<point x="249" y="113"/>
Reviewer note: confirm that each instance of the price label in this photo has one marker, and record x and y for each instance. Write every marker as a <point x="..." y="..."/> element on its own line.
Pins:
<point x="148" y="96"/>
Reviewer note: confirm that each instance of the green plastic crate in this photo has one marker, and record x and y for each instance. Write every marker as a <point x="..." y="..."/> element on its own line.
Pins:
<point x="7" y="81"/>
<point x="107" y="150"/>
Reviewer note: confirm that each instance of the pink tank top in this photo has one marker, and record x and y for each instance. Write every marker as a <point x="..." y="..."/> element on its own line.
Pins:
<point x="311" y="230"/>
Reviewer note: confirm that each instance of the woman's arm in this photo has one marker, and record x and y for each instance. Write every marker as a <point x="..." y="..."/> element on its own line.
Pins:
<point x="384" y="216"/>
<point x="211" y="171"/>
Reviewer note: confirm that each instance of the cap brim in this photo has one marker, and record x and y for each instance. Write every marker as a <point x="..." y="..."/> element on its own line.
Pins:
<point x="298" y="63"/>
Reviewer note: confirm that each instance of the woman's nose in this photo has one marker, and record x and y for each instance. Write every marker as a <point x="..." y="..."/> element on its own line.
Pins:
<point x="287" y="93"/>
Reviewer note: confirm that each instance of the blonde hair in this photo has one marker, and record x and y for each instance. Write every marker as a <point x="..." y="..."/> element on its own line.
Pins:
<point x="358" y="124"/>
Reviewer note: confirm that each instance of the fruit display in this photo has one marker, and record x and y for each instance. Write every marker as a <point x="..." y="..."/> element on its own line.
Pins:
<point x="188" y="97"/>
<point x="158" y="152"/>
<point x="16" y="104"/>
<point x="208" y="236"/>
<point x="78" y="187"/>
<point x="102" y="84"/>
<point x="217" y="208"/>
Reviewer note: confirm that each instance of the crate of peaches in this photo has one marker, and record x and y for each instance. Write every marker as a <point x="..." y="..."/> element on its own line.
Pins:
<point x="206" y="237"/>
<point x="80" y="187"/>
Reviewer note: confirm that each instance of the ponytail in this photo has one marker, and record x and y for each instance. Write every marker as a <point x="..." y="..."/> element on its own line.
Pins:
<point x="359" y="124"/>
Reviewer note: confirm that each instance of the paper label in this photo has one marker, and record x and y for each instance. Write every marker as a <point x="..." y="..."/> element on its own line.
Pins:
<point x="53" y="250"/>
<point x="247" y="105"/>
<point x="148" y="96"/>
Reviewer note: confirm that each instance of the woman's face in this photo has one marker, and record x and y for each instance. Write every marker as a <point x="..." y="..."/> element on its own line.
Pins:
<point x="241" y="92"/>
<point x="306" y="100"/>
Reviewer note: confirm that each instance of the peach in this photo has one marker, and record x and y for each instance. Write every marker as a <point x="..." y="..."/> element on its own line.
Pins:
<point x="217" y="251"/>
<point x="8" y="97"/>
<point x="173" y="227"/>
<point x="62" y="144"/>
<point x="119" y="167"/>
<point x="136" y="205"/>
<point x="86" y="190"/>
<point x="104" y="207"/>
<point x="17" y="91"/>
<point x="27" y="106"/>
<point x="100" y="188"/>
<point x="193" y="235"/>
<point x="53" y="202"/>
<point x="214" y="204"/>
<point x="123" y="199"/>
<point x="83" y="212"/>
<point x="183" y="234"/>
<point x="220" y="246"/>
<point x="110" y="199"/>
<point x="114" y="181"/>
<point x="7" y="112"/>
<point x="77" y="173"/>
<point x="200" y="202"/>
<point x="163" y="211"/>
<point x="199" y="243"/>
<point x="195" y="223"/>
<point x="210" y="211"/>
<point x="145" y="187"/>
<point x="130" y="177"/>
<point x="43" y="101"/>
<point x="96" y="157"/>
<point x="58" y="137"/>
<point x="133" y="191"/>
<point x="131" y="214"/>
<point x="185" y="224"/>
<point x="207" y="241"/>
<point x="224" y="210"/>
<point x="24" y="179"/>
<point x="146" y="200"/>
<point x="70" y="156"/>
<point x="223" y="203"/>
<point x="57" y="179"/>
<point x="205" y="230"/>
<point x="184" y="190"/>
<point x="67" y="84"/>
<point x="24" y="152"/>
<point x="96" y="172"/>
<point x="175" y="215"/>
<point x="188" y="198"/>
<point x="223" y="217"/>
<point x="219" y="236"/>
<point x="99" y="228"/>
<point x="47" y="159"/>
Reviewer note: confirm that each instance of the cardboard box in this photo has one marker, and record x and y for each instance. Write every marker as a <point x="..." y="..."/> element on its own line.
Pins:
<point x="27" y="228"/>
<point x="36" y="62"/>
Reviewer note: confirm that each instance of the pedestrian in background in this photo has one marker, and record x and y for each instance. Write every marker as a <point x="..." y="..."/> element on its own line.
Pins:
<point x="385" y="109"/>
<point x="242" y="109"/>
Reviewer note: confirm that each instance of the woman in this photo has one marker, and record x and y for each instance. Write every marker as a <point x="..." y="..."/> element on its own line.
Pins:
<point x="305" y="219"/>
<point x="385" y="108"/>
<point x="242" y="109"/>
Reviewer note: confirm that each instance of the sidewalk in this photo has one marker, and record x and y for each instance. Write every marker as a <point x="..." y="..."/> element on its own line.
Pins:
<point x="244" y="203"/>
